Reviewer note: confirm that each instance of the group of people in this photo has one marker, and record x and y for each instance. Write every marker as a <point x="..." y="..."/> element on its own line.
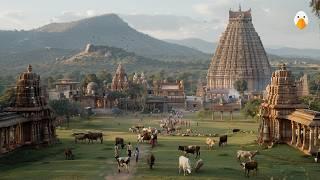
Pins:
<point x="129" y="151"/>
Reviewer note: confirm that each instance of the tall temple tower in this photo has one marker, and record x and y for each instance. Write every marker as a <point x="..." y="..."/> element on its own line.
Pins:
<point x="239" y="55"/>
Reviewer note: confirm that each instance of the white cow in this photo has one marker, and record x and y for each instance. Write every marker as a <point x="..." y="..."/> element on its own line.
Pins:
<point x="246" y="154"/>
<point x="184" y="164"/>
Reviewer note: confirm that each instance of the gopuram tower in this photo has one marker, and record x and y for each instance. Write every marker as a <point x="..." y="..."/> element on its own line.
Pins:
<point x="240" y="55"/>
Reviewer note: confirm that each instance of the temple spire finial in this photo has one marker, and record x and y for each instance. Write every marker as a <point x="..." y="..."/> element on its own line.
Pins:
<point x="29" y="68"/>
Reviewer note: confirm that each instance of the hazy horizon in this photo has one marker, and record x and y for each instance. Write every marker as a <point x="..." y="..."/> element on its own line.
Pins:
<point x="202" y="19"/>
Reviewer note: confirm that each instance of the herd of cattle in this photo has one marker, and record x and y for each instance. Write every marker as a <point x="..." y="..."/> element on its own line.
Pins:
<point x="150" y="135"/>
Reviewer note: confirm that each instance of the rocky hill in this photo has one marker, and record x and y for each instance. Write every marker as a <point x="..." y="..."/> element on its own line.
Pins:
<point x="108" y="30"/>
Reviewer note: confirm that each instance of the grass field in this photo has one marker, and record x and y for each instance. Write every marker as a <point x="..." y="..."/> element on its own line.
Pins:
<point x="95" y="161"/>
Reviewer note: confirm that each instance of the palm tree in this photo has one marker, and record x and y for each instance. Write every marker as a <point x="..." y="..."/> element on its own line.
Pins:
<point x="315" y="5"/>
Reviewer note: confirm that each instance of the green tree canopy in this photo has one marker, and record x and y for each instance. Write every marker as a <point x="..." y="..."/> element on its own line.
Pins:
<point x="241" y="85"/>
<point x="251" y="108"/>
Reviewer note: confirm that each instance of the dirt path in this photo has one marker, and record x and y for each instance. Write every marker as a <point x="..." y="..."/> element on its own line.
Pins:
<point x="114" y="175"/>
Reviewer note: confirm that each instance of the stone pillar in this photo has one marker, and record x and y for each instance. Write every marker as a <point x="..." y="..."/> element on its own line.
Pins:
<point x="311" y="141"/>
<point x="1" y="140"/>
<point x="316" y="134"/>
<point x="293" y="131"/>
<point x="221" y="117"/>
<point x="299" y="135"/>
<point x="304" y="137"/>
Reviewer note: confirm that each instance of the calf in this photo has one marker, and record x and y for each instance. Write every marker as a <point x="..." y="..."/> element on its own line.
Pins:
<point x="120" y="141"/>
<point x="210" y="142"/>
<point x="184" y="164"/>
<point x="190" y="150"/>
<point x="248" y="166"/>
<point x="123" y="162"/>
<point x="317" y="157"/>
<point x="80" y="137"/>
<point x="150" y="160"/>
<point x="68" y="154"/>
<point x="223" y="140"/>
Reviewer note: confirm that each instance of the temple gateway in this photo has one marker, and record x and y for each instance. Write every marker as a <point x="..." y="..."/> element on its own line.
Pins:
<point x="284" y="118"/>
<point x="240" y="55"/>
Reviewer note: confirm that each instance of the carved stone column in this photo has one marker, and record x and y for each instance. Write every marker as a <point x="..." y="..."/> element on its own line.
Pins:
<point x="311" y="141"/>
<point x="293" y="133"/>
<point x="1" y="140"/>
<point x="299" y="135"/>
<point x="304" y="137"/>
<point x="316" y="134"/>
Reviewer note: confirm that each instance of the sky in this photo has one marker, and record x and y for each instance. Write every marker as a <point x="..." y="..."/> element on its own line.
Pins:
<point x="173" y="19"/>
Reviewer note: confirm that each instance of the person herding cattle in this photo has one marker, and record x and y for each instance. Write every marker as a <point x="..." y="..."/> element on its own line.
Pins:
<point x="116" y="151"/>
<point x="129" y="149"/>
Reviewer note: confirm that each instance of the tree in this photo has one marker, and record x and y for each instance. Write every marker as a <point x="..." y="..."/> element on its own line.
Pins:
<point x="315" y="5"/>
<point x="104" y="76"/>
<point x="64" y="107"/>
<point x="89" y="78"/>
<point x="251" y="108"/>
<point x="241" y="85"/>
<point x="8" y="97"/>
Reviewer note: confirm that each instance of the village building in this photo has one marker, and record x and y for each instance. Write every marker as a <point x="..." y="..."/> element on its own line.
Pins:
<point x="240" y="55"/>
<point x="64" y="89"/>
<point x="284" y="118"/>
<point x="29" y="121"/>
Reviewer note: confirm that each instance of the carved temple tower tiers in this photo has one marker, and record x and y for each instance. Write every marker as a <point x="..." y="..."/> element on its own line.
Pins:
<point x="239" y="55"/>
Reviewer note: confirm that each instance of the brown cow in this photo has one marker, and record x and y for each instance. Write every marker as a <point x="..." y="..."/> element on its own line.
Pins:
<point x="95" y="136"/>
<point x="68" y="154"/>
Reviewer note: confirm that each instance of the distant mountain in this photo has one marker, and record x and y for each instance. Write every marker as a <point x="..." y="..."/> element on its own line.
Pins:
<point x="293" y="52"/>
<point x="109" y="30"/>
<point x="198" y="44"/>
<point x="209" y="47"/>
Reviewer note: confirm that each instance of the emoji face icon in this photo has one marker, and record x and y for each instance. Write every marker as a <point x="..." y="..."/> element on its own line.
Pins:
<point x="301" y="20"/>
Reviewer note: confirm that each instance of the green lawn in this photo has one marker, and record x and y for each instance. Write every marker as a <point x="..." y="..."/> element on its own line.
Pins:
<point x="95" y="161"/>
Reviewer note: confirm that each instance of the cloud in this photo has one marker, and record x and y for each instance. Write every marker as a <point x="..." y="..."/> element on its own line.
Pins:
<point x="266" y="10"/>
<point x="174" y="27"/>
<point x="212" y="7"/>
<point x="67" y="16"/>
<point x="12" y="19"/>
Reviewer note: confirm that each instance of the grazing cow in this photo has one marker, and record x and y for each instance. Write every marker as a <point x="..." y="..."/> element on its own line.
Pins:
<point x="210" y="142"/>
<point x="120" y="141"/>
<point x="184" y="164"/>
<point x="189" y="131"/>
<point x="150" y="160"/>
<point x="154" y="140"/>
<point x="68" y="154"/>
<point x="190" y="150"/>
<point x="95" y="136"/>
<point x="235" y="130"/>
<point x="246" y="154"/>
<point x="133" y="130"/>
<point x="223" y="140"/>
<point x="198" y="165"/>
<point x="123" y="162"/>
<point x="144" y="137"/>
<point x="248" y="166"/>
<point x="80" y="137"/>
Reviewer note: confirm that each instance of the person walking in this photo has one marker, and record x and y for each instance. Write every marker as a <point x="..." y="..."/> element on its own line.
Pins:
<point x="136" y="154"/>
<point x="129" y="149"/>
